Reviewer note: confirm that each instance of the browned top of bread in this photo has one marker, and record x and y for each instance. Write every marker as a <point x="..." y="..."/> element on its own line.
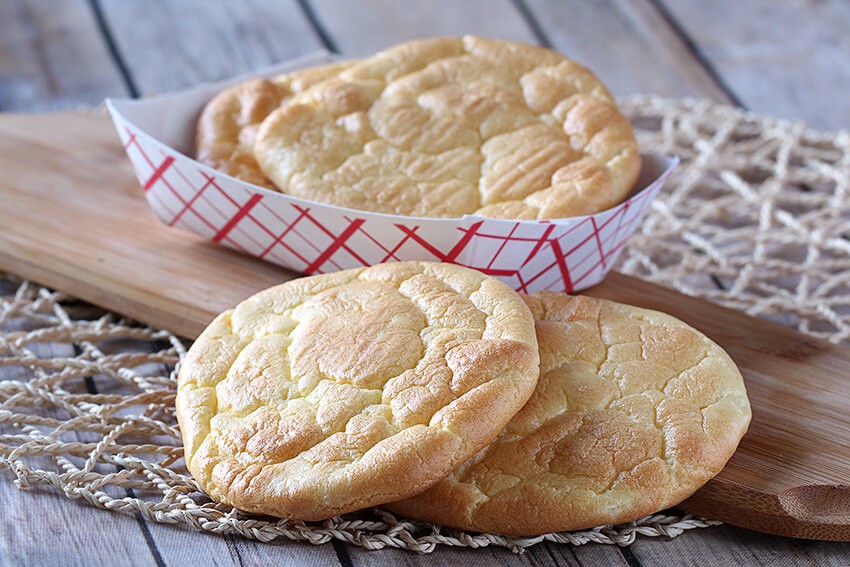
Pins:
<point x="337" y="392"/>
<point x="228" y="124"/>
<point x="634" y="411"/>
<point x="453" y="126"/>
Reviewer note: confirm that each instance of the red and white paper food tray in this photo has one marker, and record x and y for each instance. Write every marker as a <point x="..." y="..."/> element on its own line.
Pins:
<point x="559" y="255"/>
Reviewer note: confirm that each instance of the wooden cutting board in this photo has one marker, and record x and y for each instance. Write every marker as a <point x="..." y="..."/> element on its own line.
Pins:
<point x="73" y="217"/>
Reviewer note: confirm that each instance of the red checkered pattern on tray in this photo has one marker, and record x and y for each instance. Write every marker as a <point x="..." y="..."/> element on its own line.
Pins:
<point x="561" y="255"/>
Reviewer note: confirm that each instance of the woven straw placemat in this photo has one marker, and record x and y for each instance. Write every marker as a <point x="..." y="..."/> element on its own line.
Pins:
<point x="756" y="218"/>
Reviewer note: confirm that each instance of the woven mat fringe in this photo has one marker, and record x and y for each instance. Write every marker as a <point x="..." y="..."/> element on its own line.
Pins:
<point x="756" y="218"/>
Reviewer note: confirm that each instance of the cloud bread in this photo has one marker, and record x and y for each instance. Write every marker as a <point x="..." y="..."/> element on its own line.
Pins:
<point x="634" y="411"/>
<point x="337" y="392"/>
<point x="228" y="124"/>
<point x="447" y="127"/>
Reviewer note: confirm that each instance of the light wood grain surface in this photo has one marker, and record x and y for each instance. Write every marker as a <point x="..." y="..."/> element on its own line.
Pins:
<point x="785" y="477"/>
<point x="788" y="58"/>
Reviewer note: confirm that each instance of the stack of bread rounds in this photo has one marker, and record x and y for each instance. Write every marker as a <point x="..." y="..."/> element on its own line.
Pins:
<point x="415" y="386"/>
<point x="431" y="389"/>
<point x="432" y="128"/>
<point x="228" y="124"/>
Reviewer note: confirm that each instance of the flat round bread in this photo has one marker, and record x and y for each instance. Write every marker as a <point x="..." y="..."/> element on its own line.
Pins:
<point x="228" y="124"/>
<point x="448" y="127"/>
<point x="634" y="411"/>
<point x="337" y="392"/>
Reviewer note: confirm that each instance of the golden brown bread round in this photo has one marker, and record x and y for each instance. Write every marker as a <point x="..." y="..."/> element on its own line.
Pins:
<point x="448" y="127"/>
<point x="634" y="411"/>
<point x="227" y="127"/>
<point x="337" y="392"/>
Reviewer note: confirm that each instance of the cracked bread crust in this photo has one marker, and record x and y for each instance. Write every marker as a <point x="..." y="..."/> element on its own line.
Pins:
<point x="333" y="393"/>
<point x="447" y="127"/>
<point x="227" y="127"/>
<point x="634" y="411"/>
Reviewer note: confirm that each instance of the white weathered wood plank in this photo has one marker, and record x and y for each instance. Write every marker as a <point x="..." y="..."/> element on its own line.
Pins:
<point x="37" y="522"/>
<point x="627" y="44"/>
<point x="362" y="28"/>
<point x="171" y="45"/>
<point x="727" y="545"/>
<point x="790" y="59"/>
<point x="590" y="554"/>
<point x="442" y="556"/>
<point x="43" y="528"/>
<point x="543" y="555"/>
<point x="296" y="553"/>
<point x="184" y="546"/>
<point x="52" y="56"/>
